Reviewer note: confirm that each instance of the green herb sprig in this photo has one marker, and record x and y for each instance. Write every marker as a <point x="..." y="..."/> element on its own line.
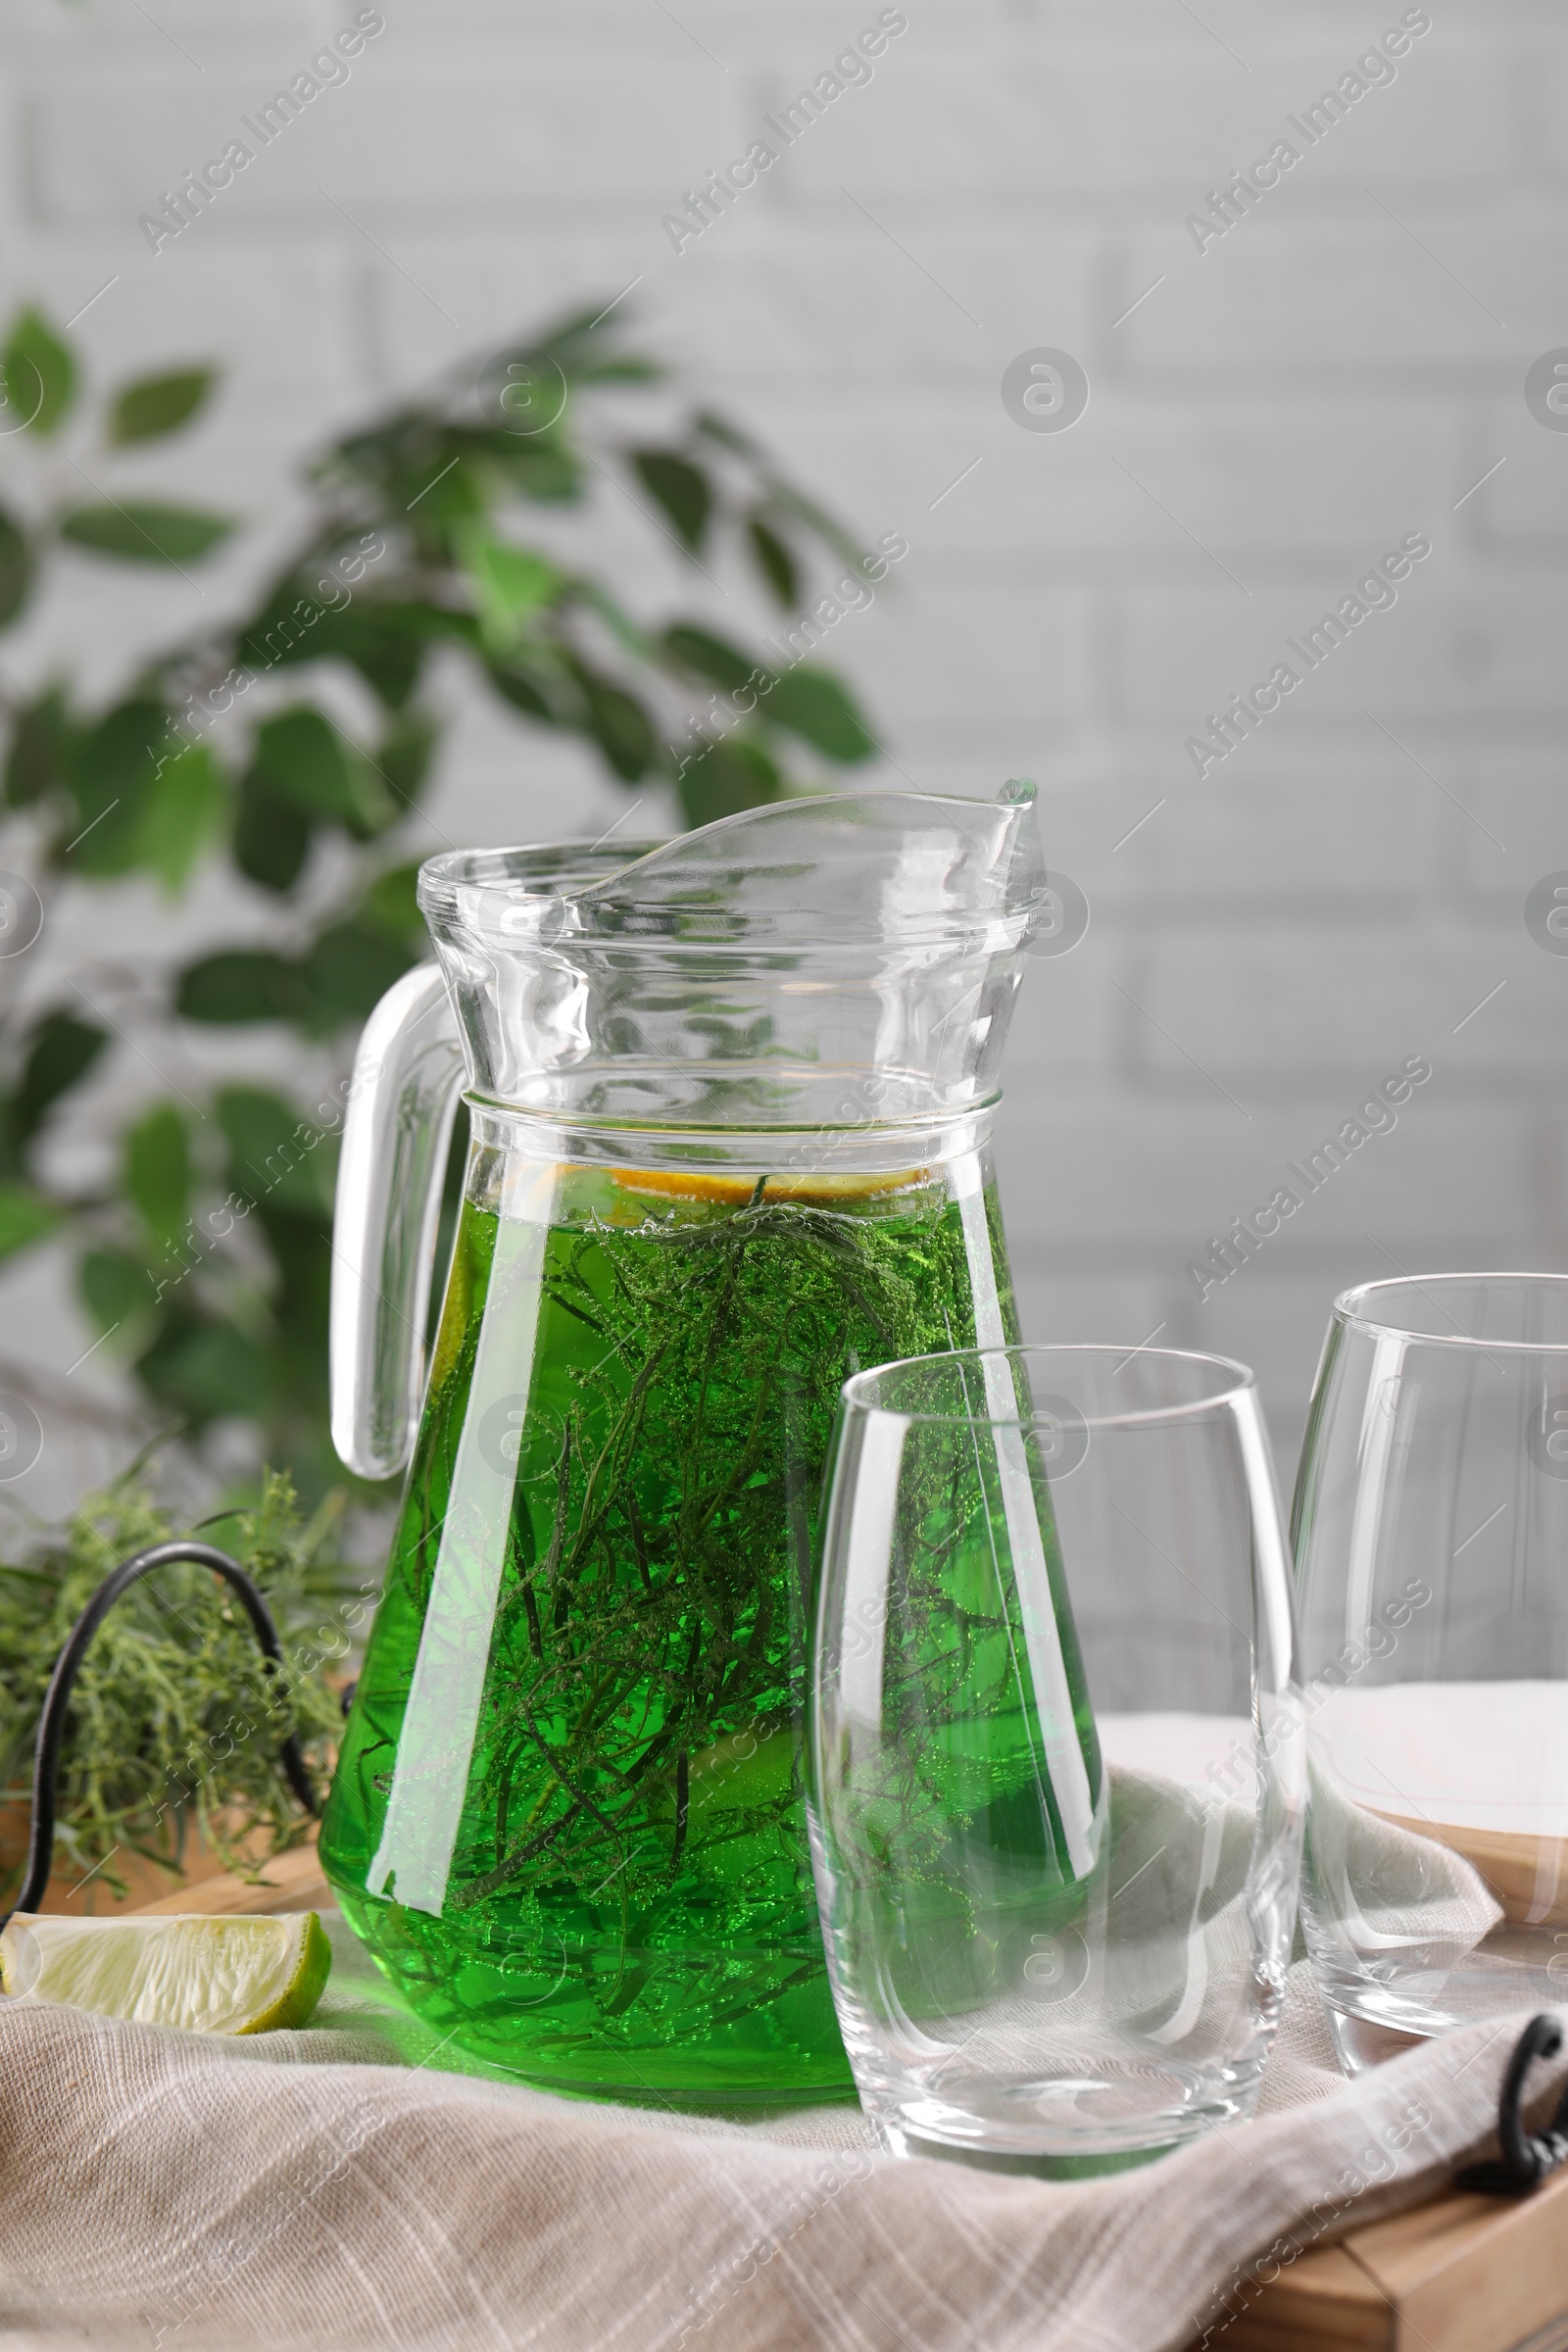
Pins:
<point x="175" y="1726"/>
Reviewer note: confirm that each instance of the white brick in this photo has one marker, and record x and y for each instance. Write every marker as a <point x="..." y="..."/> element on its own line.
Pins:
<point x="43" y="35"/>
<point x="1486" y="659"/>
<point x="748" y="311"/>
<point x="1282" y="487"/>
<point x="1086" y="1200"/>
<point x="1520" y="515"/>
<point x="1274" y="1322"/>
<point x="1064" y="1026"/>
<point x="1177" y="118"/>
<point x="936" y="662"/>
<point x="1297" y="839"/>
<point x="1551" y="90"/>
<point x="1058" y="1310"/>
<point x="387" y="142"/>
<point x="1264" y="1011"/>
<point x="271" y="321"/>
<point x="1520" y="798"/>
<point x="1294" y="303"/>
<point x="1080" y="1181"/>
<point x="1453" y="113"/>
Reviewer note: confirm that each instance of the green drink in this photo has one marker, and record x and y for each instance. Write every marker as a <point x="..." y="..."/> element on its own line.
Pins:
<point x="568" y="1816"/>
<point x="729" y="1100"/>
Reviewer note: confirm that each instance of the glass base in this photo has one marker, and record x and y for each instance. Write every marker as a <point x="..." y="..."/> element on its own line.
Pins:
<point x="1063" y="2127"/>
<point x="1380" y="2005"/>
<point x="900" y="2142"/>
<point x="712" y="2029"/>
<point x="1361" y="2044"/>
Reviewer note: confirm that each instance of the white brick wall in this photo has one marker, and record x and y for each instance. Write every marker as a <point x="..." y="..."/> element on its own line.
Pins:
<point x="1337" y="370"/>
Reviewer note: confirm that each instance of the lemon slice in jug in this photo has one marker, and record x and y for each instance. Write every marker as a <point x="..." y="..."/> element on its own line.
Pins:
<point x="206" y="1974"/>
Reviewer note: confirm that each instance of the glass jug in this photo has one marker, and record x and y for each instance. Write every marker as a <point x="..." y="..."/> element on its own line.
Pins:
<point x="729" y="1102"/>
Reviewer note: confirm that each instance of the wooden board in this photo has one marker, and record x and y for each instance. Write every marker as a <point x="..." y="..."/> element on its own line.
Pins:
<point x="1462" y="2274"/>
<point x="1529" y="1875"/>
<point x="291" y="1882"/>
<point x="92" y="1896"/>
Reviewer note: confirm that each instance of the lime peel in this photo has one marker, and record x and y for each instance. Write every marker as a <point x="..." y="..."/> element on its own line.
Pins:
<point x="202" y="1974"/>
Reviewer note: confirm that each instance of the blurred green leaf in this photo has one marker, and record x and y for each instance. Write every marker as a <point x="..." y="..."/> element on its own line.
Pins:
<point x="386" y="642"/>
<point x="727" y="779"/>
<point x="390" y="905"/>
<point x="586" y="351"/>
<point x="628" y="368"/>
<point x="680" y="489"/>
<point x="789" y="501"/>
<point x="822" y="711"/>
<point x="526" y="687"/>
<point x="376" y="810"/>
<point x="441" y="488"/>
<point x="387" y="645"/>
<point x="621" y="726"/>
<point x="301" y="1249"/>
<point x="62" y="1053"/>
<point x="271" y="837"/>
<point x="509" y="585"/>
<point x="114" y="1288"/>
<point x="774" y="561"/>
<point x="157" y="1171"/>
<point x="243" y="984"/>
<point x="634" y="640"/>
<point x="372" y="453"/>
<point x="403" y="754"/>
<point x="728" y="436"/>
<point x="146" y="531"/>
<point x="213" y="1370"/>
<point x="112" y="770"/>
<point x="182" y="809"/>
<point x="16" y="569"/>
<point x="40" y="754"/>
<point x="708" y="657"/>
<point x="278" y="1158"/>
<point x="543" y="473"/>
<point x="159" y="404"/>
<point x="300" y="757"/>
<point x="348" y="971"/>
<point x="38" y="374"/>
<point x="25" y="1217"/>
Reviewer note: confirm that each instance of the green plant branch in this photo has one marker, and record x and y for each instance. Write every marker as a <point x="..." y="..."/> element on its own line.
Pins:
<point x="416" y="545"/>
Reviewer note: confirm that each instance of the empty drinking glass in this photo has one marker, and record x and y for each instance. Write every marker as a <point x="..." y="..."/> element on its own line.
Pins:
<point x="1431" y="1533"/>
<point x="1057" y="1777"/>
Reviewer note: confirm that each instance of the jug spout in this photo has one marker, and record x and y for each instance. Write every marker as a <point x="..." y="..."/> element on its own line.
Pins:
<point x="894" y="869"/>
<point x="807" y="964"/>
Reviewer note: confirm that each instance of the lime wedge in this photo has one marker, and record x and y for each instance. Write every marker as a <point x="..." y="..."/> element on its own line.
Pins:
<point x="209" y="1975"/>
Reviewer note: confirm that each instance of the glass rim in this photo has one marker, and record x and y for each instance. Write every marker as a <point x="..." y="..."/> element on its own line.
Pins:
<point x="1348" y="1305"/>
<point x="1240" y="1381"/>
<point x="827" y="1134"/>
<point x="551" y="875"/>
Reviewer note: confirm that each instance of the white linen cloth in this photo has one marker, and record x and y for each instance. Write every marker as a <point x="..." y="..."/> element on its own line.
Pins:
<point x="331" y="2190"/>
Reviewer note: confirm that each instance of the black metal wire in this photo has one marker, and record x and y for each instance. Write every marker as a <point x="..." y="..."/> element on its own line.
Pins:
<point x="1525" y="2159"/>
<point x="51" y="1722"/>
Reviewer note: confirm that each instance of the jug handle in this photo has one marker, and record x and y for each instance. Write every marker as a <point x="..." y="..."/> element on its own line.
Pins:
<point x="402" y="1101"/>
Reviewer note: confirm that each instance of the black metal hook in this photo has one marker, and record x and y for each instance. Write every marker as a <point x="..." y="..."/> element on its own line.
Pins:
<point x="1527" y="2159"/>
<point x="51" y="1722"/>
